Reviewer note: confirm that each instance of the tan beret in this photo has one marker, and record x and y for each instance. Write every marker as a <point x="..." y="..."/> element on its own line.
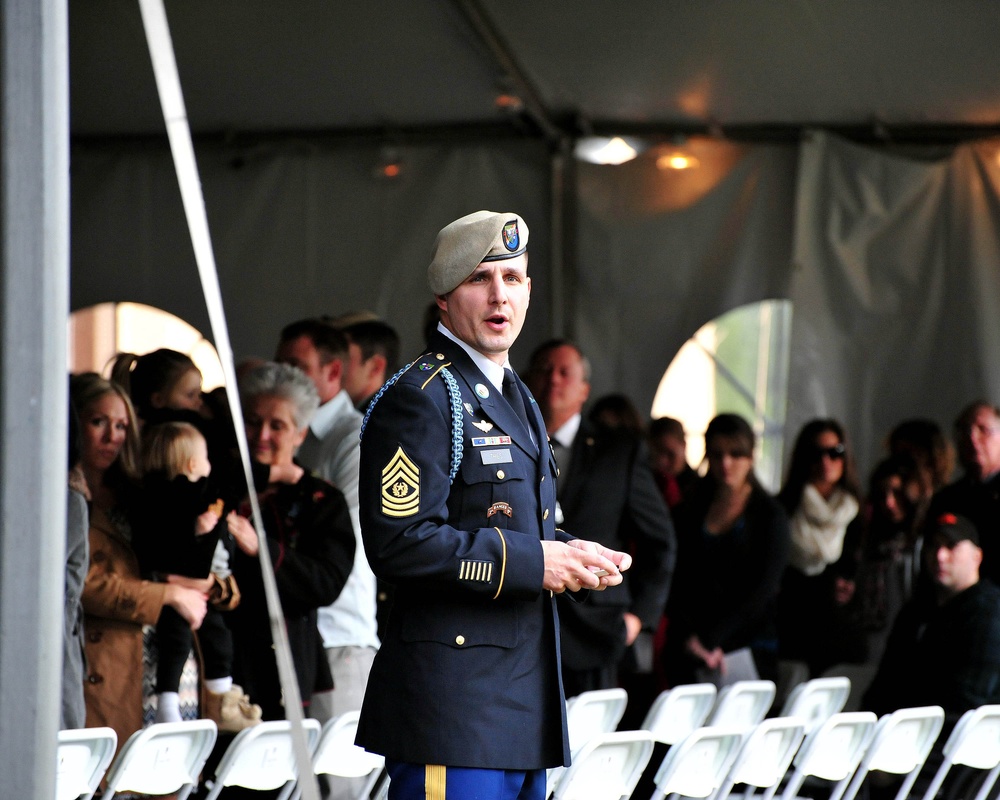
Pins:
<point x="464" y="244"/>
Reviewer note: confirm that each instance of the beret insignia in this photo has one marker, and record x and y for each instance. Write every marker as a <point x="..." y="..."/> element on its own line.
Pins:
<point x="511" y="238"/>
<point x="400" y="486"/>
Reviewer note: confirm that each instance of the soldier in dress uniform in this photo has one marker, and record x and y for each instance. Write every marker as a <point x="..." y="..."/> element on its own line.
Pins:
<point x="458" y="501"/>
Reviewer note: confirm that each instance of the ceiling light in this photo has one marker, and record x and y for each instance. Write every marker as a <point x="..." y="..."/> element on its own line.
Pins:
<point x="389" y="165"/>
<point x="676" y="159"/>
<point x="604" y="150"/>
<point x="509" y="102"/>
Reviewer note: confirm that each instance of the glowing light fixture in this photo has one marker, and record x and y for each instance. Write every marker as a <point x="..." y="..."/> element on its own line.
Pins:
<point x="389" y="165"/>
<point x="602" y="150"/>
<point x="508" y="101"/>
<point x="676" y="159"/>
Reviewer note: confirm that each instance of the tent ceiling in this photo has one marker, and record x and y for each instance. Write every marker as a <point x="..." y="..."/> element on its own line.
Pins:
<point x="318" y="65"/>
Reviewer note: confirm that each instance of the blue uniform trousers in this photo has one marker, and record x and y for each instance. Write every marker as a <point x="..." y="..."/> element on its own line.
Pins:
<point x="433" y="782"/>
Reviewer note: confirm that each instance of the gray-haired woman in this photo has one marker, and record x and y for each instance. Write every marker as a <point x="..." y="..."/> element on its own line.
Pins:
<point x="309" y="537"/>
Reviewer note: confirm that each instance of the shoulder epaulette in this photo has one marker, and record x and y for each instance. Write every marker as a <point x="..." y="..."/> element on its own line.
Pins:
<point x="454" y="396"/>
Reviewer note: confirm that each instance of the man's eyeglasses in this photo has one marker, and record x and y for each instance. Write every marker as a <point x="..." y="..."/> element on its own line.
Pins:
<point x="834" y="453"/>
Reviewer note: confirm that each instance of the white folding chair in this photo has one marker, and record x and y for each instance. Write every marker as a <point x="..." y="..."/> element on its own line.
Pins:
<point x="764" y="756"/>
<point x="83" y="757"/>
<point x="817" y="700"/>
<point x="830" y="753"/>
<point x="678" y="711"/>
<point x="901" y="744"/>
<point x="592" y="713"/>
<point x="698" y="764"/>
<point x="975" y="743"/>
<point x="589" y="714"/>
<point x="607" y="767"/>
<point x="742" y="704"/>
<point x="262" y="758"/>
<point x="336" y="754"/>
<point x="164" y="758"/>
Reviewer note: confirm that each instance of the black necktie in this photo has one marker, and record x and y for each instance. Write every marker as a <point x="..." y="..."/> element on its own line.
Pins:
<point x="562" y="454"/>
<point x="513" y="396"/>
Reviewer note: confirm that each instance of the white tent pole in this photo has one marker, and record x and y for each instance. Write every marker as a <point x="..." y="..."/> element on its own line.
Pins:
<point x="154" y="19"/>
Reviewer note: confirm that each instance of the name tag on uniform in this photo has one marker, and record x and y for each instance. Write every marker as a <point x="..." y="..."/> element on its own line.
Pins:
<point x="497" y="456"/>
<point x="489" y="441"/>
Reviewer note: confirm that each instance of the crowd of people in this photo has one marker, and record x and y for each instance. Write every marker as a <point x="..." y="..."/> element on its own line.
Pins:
<point x="695" y="574"/>
<point x="160" y="534"/>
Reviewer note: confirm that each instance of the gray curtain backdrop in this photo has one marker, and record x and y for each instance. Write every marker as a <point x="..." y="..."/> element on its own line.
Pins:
<point x="892" y="262"/>
<point x="896" y="287"/>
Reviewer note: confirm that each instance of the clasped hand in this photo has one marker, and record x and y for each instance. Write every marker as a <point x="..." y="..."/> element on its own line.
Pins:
<point x="577" y="564"/>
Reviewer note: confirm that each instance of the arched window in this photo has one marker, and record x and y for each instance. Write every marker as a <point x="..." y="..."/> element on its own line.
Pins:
<point x="98" y="332"/>
<point x="736" y="363"/>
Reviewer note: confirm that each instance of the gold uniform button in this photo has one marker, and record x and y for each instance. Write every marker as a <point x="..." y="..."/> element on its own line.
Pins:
<point x="545" y="514"/>
<point x="501" y="474"/>
<point x="460" y="640"/>
<point x="440" y="356"/>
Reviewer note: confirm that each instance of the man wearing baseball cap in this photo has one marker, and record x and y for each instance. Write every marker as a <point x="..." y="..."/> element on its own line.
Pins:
<point x="458" y="504"/>
<point x="944" y="648"/>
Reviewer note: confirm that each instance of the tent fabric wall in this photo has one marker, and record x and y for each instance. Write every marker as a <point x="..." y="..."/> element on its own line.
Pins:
<point x="661" y="253"/>
<point x="896" y="290"/>
<point x="892" y="263"/>
<point x="299" y="227"/>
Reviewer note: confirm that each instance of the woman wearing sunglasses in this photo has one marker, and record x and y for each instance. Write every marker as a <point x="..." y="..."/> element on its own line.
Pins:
<point x="821" y="497"/>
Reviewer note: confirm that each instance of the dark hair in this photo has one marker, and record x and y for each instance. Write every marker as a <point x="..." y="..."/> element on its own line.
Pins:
<point x="616" y="411"/>
<point x="374" y="337"/>
<point x="731" y="426"/>
<point x="145" y="375"/>
<point x="970" y="410"/>
<point x="737" y="429"/>
<point x="925" y="442"/>
<point x="329" y="342"/>
<point x="666" y="426"/>
<point x="803" y="460"/>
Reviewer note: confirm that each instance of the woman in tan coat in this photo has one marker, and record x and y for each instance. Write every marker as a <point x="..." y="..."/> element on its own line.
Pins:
<point x="116" y="601"/>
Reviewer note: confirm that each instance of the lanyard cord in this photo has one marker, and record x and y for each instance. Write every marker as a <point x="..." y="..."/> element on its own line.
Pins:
<point x="168" y="85"/>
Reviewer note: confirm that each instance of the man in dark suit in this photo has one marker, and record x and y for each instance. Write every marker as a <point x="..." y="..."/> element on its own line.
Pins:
<point x="976" y="494"/>
<point x="458" y="513"/>
<point x="606" y="493"/>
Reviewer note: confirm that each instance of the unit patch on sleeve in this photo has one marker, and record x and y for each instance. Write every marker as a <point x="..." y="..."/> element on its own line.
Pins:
<point x="400" y="486"/>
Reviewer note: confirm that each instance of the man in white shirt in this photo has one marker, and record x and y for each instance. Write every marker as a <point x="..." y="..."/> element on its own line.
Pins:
<point x="332" y="451"/>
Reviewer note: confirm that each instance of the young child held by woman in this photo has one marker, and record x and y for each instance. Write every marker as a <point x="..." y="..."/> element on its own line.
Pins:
<point x="182" y="537"/>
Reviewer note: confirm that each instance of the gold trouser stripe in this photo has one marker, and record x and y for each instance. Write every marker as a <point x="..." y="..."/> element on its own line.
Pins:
<point x="503" y="562"/>
<point x="434" y="781"/>
<point x="435" y="372"/>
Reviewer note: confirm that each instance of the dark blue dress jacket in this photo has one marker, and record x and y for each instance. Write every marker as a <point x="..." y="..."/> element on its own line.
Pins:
<point x="468" y="674"/>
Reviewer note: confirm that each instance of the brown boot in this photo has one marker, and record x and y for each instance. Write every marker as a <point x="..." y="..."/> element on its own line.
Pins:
<point x="231" y="711"/>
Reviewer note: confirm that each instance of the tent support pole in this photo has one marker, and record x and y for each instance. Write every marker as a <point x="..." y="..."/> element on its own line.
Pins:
<point x="34" y="307"/>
